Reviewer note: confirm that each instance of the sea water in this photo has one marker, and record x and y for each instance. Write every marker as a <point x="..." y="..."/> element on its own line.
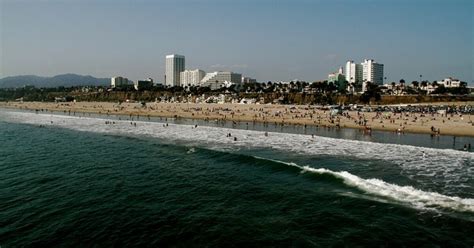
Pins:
<point x="77" y="181"/>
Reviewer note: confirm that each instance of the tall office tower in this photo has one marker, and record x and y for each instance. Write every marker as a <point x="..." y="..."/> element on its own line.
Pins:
<point x="371" y="72"/>
<point x="174" y="66"/>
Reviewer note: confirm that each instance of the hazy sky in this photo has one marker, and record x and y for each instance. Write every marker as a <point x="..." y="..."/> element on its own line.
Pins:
<point x="264" y="39"/>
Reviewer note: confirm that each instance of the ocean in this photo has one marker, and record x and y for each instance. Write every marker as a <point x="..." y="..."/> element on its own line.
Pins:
<point x="77" y="181"/>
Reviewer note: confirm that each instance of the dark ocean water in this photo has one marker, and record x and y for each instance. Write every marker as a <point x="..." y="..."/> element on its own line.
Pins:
<point x="68" y="181"/>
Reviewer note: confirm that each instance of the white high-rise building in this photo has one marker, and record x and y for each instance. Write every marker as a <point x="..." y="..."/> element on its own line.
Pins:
<point x="353" y="72"/>
<point x="191" y="77"/>
<point x="371" y="72"/>
<point x="174" y="66"/>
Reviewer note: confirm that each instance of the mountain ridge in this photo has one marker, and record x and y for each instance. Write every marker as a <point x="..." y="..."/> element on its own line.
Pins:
<point x="66" y="80"/>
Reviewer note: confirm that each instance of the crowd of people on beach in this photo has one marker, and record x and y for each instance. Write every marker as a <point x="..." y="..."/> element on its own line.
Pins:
<point x="429" y="119"/>
<point x="396" y="119"/>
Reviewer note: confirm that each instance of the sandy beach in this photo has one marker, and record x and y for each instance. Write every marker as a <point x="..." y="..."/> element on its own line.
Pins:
<point x="450" y="124"/>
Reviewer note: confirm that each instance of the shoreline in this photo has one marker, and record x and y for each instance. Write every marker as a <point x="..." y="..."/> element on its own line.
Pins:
<point x="455" y="125"/>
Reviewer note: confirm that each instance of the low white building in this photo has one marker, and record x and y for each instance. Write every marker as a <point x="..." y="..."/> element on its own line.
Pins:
<point x="191" y="77"/>
<point x="450" y="82"/>
<point x="215" y="80"/>
<point x="429" y="88"/>
<point x="336" y="77"/>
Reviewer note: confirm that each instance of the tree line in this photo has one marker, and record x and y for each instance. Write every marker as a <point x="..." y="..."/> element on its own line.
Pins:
<point x="321" y="92"/>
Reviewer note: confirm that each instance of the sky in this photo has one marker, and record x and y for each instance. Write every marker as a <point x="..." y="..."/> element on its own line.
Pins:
<point x="269" y="40"/>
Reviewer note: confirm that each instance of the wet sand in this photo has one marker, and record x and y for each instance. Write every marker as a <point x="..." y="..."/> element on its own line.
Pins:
<point x="450" y="124"/>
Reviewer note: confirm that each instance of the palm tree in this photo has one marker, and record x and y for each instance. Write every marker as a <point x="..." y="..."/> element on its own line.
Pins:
<point x="292" y="84"/>
<point x="397" y="89"/>
<point x="424" y="84"/>
<point x="402" y="82"/>
<point x="298" y="85"/>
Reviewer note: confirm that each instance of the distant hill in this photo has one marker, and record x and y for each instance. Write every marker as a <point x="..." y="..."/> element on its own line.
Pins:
<point x="66" y="80"/>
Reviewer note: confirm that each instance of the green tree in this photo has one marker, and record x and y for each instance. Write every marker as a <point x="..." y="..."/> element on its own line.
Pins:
<point x="440" y="90"/>
<point x="372" y="92"/>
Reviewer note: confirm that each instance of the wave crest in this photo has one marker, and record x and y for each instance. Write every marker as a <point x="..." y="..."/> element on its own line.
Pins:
<point x="403" y="194"/>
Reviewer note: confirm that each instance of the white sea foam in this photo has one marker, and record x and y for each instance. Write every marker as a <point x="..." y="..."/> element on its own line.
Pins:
<point x="406" y="194"/>
<point x="452" y="168"/>
<point x="403" y="194"/>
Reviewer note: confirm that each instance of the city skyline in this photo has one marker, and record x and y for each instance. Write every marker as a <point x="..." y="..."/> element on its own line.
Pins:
<point x="266" y="40"/>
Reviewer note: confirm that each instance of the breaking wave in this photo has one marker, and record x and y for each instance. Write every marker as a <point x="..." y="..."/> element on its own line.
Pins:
<point x="404" y="194"/>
